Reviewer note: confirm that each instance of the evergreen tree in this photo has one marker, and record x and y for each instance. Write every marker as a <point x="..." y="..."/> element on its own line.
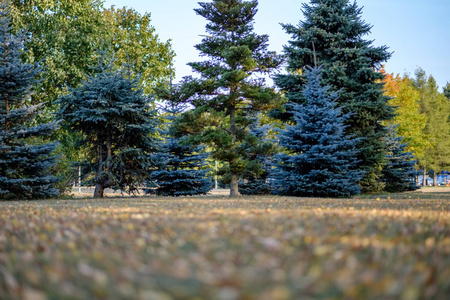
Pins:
<point x="399" y="172"/>
<point x="118" y="124"/>
<point x="320" y="159"/>
<point x="181" y="169"/>
<point x="228" y="96"/>
<point x="260" y="157"/>
<point x="333" y="32"/>
<point x="24" y="164"/>
<point x="447" y="90"/>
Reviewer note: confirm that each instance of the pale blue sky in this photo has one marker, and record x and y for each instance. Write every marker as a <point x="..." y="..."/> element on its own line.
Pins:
<point x="417" y="31"/>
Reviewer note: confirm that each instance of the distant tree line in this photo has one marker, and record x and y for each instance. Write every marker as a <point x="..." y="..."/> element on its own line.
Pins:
<point x="422" y="120"/>
<point x="81" y="87"/>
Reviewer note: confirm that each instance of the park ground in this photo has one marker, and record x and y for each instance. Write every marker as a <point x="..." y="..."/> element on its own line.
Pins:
<point x="212" y="247"/>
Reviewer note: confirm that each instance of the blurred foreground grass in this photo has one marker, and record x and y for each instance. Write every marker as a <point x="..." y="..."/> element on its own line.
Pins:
<point x="380" y="247"/>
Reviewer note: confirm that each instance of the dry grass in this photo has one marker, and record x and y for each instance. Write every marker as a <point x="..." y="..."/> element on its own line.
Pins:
<point x="378" y="247"/>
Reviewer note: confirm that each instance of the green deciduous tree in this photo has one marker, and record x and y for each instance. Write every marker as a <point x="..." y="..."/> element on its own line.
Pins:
<point x="410" y="120"/>
<point x="228" y="96"/>
<point x="64" y="38"/>
<point x="66" y="34"/>
<point x="25" y="158"/>
<point x="333" y="33"/>
<point x="117" y="122"/>
<point x="437" y="109"/>
<point x="134" y="41"/>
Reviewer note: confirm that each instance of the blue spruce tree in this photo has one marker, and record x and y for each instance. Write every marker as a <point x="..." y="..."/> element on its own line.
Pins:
<point x="25" y="157"/>
<point x="399" y="172"/>
<point x="181" y="168"/>
<point x="320" y="159"/>
<point x="118" y="124"/>
<point x="260" y="150"/>
<point x="334" y="33"/>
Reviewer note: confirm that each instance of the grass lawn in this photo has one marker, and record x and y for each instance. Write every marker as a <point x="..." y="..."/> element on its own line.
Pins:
<point x="272" y="248"/>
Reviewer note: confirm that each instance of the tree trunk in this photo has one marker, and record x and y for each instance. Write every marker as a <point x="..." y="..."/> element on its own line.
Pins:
<point x="99" y="187"/>
<point x="108" y="181"/>
<point x="434" y="178"/>
<point x="234" y="186"/>
<point x="424" y="181"/>
<point x="108" y="152"/>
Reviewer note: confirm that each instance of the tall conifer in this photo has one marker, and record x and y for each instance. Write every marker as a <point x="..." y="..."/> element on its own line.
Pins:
<point x="334" y="30"/>
<point x="229" y="94"/>
<point x="25" y="158"/>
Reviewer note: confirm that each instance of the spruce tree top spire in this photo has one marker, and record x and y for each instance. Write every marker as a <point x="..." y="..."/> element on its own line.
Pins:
<point x="232" y="16"/>
<point x="337" y="31"/>
<point x="236" y="52"/>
